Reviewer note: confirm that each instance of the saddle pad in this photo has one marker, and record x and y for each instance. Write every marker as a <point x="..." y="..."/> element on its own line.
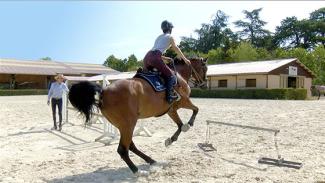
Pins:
<point x="153" y="79"/>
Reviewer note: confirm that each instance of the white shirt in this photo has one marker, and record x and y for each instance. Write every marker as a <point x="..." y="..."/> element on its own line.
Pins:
<point x="162" y="43"/>
<point x="56" y="90"/>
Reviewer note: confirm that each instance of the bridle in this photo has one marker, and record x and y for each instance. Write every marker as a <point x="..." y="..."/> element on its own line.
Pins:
<point x="198" y="80"/>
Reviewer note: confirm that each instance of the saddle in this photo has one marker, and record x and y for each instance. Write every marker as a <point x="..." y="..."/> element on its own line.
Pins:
<point x="153" y="77"/>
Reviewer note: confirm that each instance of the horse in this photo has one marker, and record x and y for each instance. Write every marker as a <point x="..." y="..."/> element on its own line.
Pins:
<point x="319" y="90"/>
<point x="125" y="101"/>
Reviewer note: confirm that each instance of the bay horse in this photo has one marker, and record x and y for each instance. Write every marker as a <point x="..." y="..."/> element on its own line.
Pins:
<point x="125" y="101"/>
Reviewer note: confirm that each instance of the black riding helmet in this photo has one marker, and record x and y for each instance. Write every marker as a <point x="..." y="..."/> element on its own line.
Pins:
<point x="166" y="26"/>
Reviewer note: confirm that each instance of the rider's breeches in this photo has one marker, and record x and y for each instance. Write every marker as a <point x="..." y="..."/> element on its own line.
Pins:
<point x="153" y="59"/>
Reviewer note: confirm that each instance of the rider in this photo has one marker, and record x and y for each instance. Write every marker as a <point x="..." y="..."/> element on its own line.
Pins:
<point x="154" y="58"/>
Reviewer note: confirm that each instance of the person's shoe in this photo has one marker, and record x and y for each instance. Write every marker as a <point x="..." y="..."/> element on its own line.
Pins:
<point x="54" y="128"/>
<point x="170" y="94"/>
<point x="60" y="128"/>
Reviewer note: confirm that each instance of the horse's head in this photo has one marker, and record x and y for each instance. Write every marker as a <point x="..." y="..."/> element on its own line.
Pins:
<point x="199" y="72"/>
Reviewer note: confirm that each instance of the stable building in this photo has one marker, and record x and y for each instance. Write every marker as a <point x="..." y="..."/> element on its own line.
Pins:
<point x="21" y="74"/>
<point x="285" y="73"/>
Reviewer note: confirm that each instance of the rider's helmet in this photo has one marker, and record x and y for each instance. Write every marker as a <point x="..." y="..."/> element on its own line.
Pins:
<point x="166" y="26"/>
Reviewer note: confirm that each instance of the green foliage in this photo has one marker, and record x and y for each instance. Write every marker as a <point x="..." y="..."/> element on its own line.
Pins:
<point x="211" y="36"/>
<point x="263" y="54"/>
<point x="23" y="92"/>
<point x="244" y="52"/>
<point x="4" y="86"/>
<point x="124" y="65"/>
<point x="216" y="56"/>
<point x="319" y="64"/>
<point x="252" y="29"/>
<point x="284" y="94"/>
<point x="132" y="63"/>
<point x="46" y="58"/>
<point x="194" y="54"/>
<point x="317" y="18"/>
<point x="170" y="53"/>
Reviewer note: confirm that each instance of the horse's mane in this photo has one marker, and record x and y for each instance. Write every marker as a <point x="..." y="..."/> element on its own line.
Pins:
<point x="179" y="61"/>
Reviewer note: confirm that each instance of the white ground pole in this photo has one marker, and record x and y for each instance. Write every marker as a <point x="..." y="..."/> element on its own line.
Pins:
<point x="275" y="131"/>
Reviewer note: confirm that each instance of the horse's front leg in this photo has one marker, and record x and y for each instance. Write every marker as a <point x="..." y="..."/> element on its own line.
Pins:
<point x="187" y="104"/>
<point x="175" y="117"/>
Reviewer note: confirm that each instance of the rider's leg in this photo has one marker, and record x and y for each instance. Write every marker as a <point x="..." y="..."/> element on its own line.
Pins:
<point x="153" y="59"/>
<point x="170" y="94"/>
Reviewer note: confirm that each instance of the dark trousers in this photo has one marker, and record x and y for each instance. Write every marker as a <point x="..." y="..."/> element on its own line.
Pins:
<point x="153" y="59"/>
<point x="57" y="102"/>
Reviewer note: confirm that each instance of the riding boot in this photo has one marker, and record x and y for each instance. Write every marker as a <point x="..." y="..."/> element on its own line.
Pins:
<point x="170" y="94"/>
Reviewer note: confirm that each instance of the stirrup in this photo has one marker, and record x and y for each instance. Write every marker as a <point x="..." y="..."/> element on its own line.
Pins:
<point x="171" y="97"/>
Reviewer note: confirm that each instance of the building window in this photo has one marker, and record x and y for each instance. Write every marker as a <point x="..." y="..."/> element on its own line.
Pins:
<point x="250" y="82"/>
<point x="222" y="83"/>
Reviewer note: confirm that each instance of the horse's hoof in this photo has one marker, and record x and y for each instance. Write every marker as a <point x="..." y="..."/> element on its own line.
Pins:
<point x="191" y="122"/>
<point x="168" y="142"/>
<point x="185" y="127"/>
<point x="141" y="173"/>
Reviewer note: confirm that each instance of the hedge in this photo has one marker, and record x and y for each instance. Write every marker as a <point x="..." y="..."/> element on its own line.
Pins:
<point x="286" y="94"/>
<point x="23" y="92"/>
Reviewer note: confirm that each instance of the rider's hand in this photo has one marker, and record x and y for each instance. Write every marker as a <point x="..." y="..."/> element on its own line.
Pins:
<point x="187" y="62"/>
<point x="48" y="102"/>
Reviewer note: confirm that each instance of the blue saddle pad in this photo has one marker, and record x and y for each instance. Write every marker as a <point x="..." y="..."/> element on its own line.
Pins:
<point x="153" y="79"/>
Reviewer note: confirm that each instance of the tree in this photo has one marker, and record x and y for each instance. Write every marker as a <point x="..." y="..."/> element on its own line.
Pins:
<point x="288" y="34"/>
<point x="132" y="63"/>
<point x="319" y="61"/>
<point x="252" y="29"/>
<point x="210" y="36"/>
<point x="244" y="52"/>
<point x="188" y="44"/>
<point x="317" y="18"/>
<point x="306" y="33"/>
<point x="115" y="63"/>
<point x="46" y="58"/>
<point x="170" y="53"/>
<point x="294" y="33"/>
<point x="216" y="56"/>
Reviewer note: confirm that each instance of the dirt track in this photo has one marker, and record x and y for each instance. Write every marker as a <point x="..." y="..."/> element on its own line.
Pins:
<point x="31" y="152"/>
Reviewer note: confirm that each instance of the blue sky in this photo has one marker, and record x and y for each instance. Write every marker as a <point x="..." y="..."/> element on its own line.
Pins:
<point x="88" y="31"/>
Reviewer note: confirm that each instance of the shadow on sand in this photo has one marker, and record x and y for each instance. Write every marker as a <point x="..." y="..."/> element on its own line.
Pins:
<point x="101" y="175"/>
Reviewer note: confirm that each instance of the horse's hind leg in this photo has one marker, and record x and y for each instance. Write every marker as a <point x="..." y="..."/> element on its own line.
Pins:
<point x="135" y="150"/>
<point x="123" y="147"/>
<point x="123" y="150"/>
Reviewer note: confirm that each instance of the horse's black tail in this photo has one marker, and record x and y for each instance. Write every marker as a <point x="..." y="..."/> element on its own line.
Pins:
<point x="82" y="97"/>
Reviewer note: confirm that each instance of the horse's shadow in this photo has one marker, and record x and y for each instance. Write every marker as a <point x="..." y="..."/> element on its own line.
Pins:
<point x="101" y="175"/>
<point x="111" y="174"/>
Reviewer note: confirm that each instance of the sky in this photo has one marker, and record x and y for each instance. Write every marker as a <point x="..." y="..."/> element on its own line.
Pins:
<point x="90" y="31"/>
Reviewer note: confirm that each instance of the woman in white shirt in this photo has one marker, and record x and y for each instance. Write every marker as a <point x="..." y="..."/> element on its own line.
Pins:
<point x="154" y="58"/>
